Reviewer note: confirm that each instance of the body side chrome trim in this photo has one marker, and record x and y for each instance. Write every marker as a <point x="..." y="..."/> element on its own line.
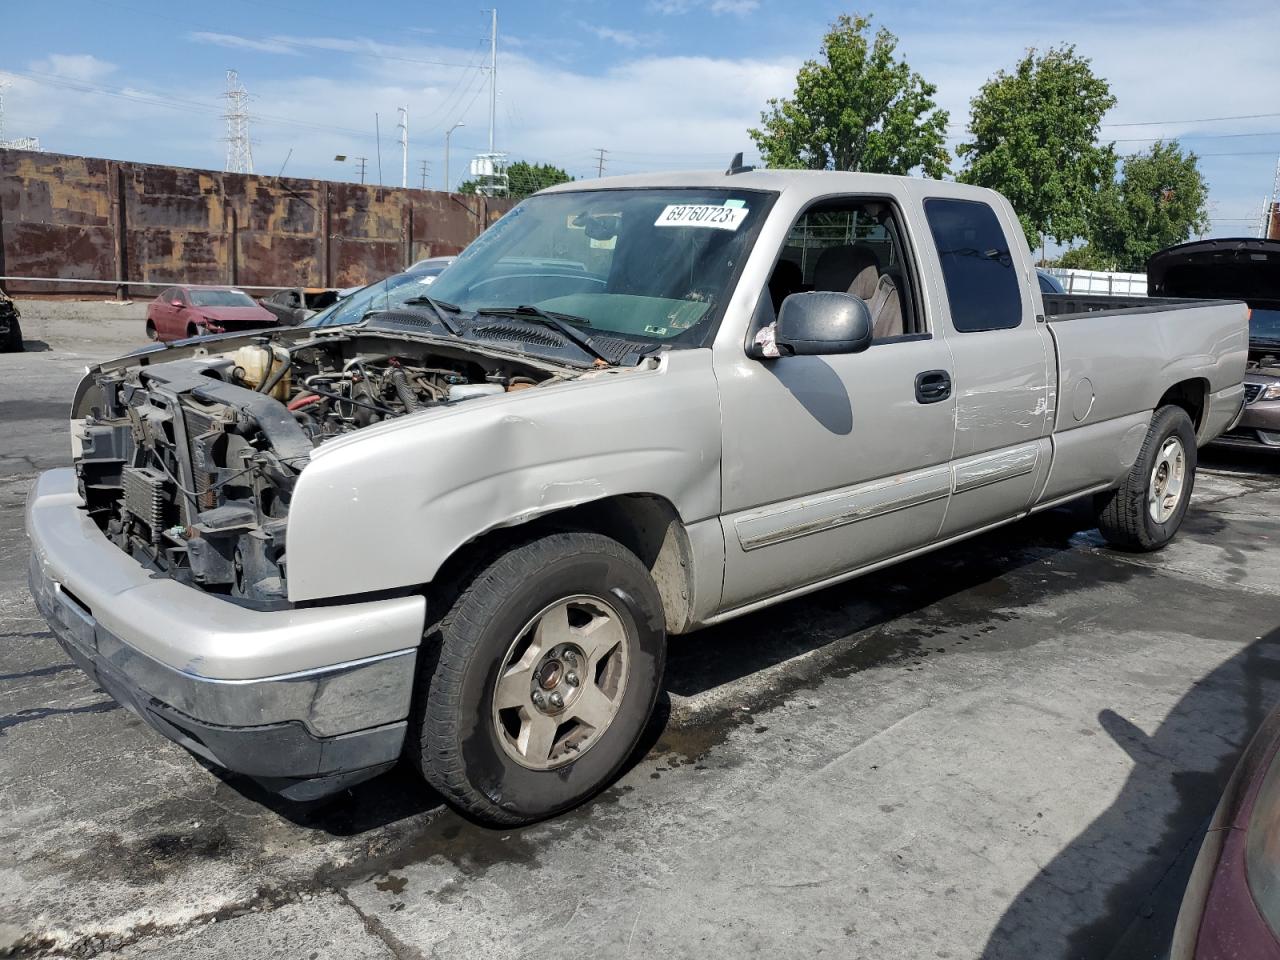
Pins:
<point x="755" y="605"/>
<point x="992" y="468"/>
<point x="839" y="508"/>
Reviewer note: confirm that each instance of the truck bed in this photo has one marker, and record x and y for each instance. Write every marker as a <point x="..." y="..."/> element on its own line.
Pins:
<point x="1067" y="306"/>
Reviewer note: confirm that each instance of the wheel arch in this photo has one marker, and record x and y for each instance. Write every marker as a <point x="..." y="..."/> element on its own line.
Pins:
<point x="1191" y="395"/>
<point x="647" y="524"/>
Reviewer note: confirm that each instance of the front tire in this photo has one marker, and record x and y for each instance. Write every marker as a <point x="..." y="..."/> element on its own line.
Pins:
<point x="539" y="675"/>
<point x="1145" y="512"/>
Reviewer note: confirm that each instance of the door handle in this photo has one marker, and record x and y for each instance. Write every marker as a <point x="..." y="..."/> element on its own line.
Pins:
<point x="933" y="386"/>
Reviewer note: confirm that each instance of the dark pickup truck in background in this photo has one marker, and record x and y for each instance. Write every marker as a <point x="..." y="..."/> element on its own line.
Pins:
<point x="10" y="331"/>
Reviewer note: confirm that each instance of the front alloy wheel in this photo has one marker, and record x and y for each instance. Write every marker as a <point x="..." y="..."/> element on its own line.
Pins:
<point x="561" y="683"/>
<point x="537" y="677"/>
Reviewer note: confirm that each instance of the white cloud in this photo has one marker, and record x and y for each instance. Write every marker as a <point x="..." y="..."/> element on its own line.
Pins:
<point x="717" y="7"/>
<point x="233" y="42"/>
<point x="74" y="66"/>
<point x="623" y="38"/>
<point x="737" y="7"/>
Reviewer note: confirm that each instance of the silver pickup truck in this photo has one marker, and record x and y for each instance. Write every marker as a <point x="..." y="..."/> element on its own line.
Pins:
<point x="460" y="531"/>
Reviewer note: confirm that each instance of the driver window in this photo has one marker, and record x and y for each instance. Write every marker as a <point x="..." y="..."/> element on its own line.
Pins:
<point x="850" y="247"/>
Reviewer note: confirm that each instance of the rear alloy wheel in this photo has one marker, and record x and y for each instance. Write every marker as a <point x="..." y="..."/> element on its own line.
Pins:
<point x="1145" y="511"/>
<point x="538" y="677"/>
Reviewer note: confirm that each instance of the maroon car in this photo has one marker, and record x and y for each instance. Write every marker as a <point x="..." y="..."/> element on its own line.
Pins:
<point x="1231" y="910"/>
<point x="192" y="311"/>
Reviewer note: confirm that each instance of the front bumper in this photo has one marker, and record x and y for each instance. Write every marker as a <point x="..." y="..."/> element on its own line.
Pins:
<point x="306" y="701"/>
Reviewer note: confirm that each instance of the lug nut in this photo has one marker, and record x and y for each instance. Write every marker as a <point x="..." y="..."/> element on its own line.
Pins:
<point x="571" y="678"/>
<point x="570" y="657"/>
<point x="557" y="701"/>
<point x="538" y="698"/>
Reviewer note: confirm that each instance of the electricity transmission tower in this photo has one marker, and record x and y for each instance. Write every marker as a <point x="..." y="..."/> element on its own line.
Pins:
<point x="600" y="152"/>
<point x="239" y="147"/>
<point x="363" y="162"/>
<point x="426" y="172"/>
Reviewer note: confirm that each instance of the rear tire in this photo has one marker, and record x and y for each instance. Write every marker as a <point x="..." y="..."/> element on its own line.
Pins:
<point x="538" y="677"/>
<point x="12" y="342"/>
<point x="1145" y="512"/>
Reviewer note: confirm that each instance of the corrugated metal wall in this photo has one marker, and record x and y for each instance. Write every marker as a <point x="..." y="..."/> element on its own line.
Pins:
<point x="91" y="219"/>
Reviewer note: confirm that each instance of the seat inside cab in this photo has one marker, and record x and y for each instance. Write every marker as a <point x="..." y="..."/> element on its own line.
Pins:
<point x="849" y="248"/>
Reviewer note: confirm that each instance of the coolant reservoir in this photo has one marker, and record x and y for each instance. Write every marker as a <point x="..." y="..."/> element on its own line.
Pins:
<point x="253" y="361"/>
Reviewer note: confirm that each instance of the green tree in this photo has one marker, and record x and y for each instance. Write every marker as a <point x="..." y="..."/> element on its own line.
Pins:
<point x="856" y="108"/>
<point x="524" y="178"/>
<point x="1035" y="139"/>
<point x="1160" y="199"/>
<point x="1086" y="257"/>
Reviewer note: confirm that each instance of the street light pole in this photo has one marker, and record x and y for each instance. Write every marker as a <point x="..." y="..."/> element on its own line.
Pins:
<point x="447" y="135"/>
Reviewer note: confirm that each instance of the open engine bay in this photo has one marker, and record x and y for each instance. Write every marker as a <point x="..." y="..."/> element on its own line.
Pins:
<point x="189" y="464"/>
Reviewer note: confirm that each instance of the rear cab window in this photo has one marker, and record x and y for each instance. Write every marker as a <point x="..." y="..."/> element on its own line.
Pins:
<point x="983" y="289"/>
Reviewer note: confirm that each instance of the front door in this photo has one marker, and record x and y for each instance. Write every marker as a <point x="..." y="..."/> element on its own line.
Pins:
<point x="832" y="463"/>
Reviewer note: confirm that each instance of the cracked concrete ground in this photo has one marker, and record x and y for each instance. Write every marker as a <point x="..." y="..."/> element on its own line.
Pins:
<point x="1005" y="750"/>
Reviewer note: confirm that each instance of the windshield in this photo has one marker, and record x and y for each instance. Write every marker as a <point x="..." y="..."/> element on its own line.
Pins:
<point x="220" y="298"/>
<point x="656" y="264"/>
<point x="1264" y="325"/>
<point x="384" y="295"/>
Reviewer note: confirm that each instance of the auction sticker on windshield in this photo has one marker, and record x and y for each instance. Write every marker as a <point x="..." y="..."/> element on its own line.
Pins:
<point x="701" y="215"/>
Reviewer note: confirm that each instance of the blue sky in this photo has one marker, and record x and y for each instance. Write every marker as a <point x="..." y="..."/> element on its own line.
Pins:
<point x="660" y="84"/>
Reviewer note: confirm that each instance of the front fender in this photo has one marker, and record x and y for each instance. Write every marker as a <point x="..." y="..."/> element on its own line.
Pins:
<point x="384" y="508"/>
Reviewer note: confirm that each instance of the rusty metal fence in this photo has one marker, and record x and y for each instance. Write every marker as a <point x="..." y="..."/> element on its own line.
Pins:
<point x="106" y="221"/>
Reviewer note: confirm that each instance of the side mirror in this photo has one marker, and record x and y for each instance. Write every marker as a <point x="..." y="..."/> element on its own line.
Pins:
<point x="176" y="303"/>
<point x="823" y="322"/>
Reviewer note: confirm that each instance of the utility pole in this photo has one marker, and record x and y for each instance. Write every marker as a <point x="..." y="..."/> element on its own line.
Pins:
<point x="363" y="161"/>
<point x="1271" y="208"/>
<point x="600" y="152"/>
<point x="377" y="133"/>
<point x="493" y="75"/>
<point x="404" y="146"/>
<point x="449" y="133"/>
<point x="239" y="147"/>
<point x="426" y="172"/>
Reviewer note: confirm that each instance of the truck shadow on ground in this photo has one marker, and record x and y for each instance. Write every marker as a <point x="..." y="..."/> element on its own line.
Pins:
<point x="1259" y="464"/>
<point x="1137" y="883"/>
<point x="839" y="623"/>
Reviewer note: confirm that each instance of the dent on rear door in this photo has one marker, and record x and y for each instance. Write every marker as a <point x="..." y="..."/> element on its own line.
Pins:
<point x="1003" y="363"/>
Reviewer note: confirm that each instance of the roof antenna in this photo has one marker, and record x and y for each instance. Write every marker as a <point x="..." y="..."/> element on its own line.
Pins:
<point x="736" y="166"/>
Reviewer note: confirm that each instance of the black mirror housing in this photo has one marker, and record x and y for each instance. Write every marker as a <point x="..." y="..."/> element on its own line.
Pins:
<point x="823" y="322"/>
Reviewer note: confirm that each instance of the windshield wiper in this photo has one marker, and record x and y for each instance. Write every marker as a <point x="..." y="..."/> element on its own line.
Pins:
<point x="564" y="322"/>
<point x="438" y="307"/>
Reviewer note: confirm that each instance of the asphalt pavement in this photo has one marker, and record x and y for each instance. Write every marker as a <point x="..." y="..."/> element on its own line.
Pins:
<point x="1007" y="749"/>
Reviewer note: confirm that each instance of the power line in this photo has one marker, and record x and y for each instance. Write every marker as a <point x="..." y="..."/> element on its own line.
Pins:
<point x="1161" y="123"/>
<point x="1199" y="136"/>
<point x="600" y="152"/>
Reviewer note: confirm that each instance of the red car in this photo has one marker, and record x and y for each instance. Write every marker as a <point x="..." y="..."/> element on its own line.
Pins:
<point x="192" y="311"/>
<point x="1231" y="909"/>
